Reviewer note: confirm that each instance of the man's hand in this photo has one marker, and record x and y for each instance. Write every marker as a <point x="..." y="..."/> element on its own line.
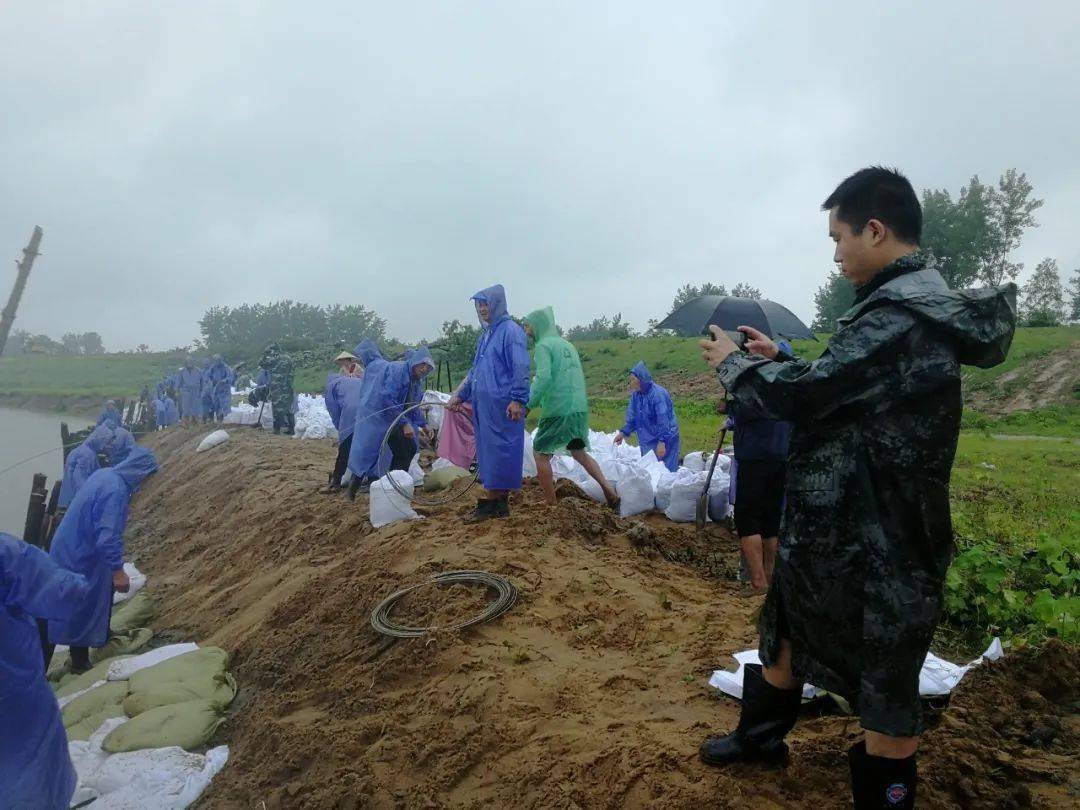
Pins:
<point x="120" y="581"/>
<point x="716" y="351"/>
<point x="759" y="343"/>
<point x="454" y="404"/>
<point x="661" y="450"/>
<point x="408" y="431"/>
<point x="619" y="438"/>
<point x="515" y="411"/>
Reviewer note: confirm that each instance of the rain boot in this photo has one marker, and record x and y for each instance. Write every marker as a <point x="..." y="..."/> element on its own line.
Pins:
<point x="485" y="510"/>
<point x="501" y="509"/>
<point x="881" y="782"/>
<point x="768" y="714"/>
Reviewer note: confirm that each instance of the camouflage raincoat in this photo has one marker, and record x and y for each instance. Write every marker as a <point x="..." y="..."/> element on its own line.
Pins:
<point x="278" y="372"/>
<point x="867" y="536"/>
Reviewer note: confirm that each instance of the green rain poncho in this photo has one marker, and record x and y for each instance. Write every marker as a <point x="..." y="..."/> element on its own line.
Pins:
<point x="559" y="384"/>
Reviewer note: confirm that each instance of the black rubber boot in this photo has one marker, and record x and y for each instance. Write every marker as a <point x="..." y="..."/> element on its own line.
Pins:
<point x="501" y="509"/>
<point x="358" y="485"/>
<point x="880" y="782"/>
<point x="768" y="714"/>
<point x="485" y="510"/>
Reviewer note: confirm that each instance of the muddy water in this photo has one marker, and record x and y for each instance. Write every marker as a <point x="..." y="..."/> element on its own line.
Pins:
<point x="24" y="434"/>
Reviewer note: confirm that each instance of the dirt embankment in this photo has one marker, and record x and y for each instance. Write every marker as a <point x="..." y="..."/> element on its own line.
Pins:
<point x="1053" y="379"/>
<point x="590" y="692"/>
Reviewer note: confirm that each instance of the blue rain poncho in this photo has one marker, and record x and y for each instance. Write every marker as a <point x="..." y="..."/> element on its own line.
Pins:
<point x="499" y="376"/>
<point x="651" y="415"/>
<point x="207" y="396"/>
<point x="172" y="413"/>
<point x="189" y="381"/>
<point x="82" y="462"/>
<point x="35" y="769"/>
<point x="342" y="394"/>
<point x="388" y="387"/>
<point x="160" y="412"/>
<point x="217" y="392"/>
<point x="90" y="541"/>
<point x="110" y="416"/>
<point x="120" y="447"/>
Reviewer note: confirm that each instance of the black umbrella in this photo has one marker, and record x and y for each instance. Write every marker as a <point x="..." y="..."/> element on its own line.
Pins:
<point x="697" y="315"/>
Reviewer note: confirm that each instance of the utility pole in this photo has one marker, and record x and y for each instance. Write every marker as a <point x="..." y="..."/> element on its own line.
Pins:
<point x="7" y="317"/>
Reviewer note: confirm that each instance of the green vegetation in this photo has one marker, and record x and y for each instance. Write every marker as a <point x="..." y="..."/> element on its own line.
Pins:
<point x="84" y="378"/>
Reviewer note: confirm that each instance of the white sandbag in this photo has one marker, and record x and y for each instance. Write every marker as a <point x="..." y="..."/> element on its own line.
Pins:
<point x="124" y="669"/>
<point x="528" y="460"/>
<point x="613" y="470"/>
<point x="635" y="490"/>
<point x="153" y="779"/>
<point x="591" y="488"/>
<point x="695" y="462"/>
<point x="566" y="467"/>
<point x="315" y="432"/>
<point x="416" y="471"/>
<point x="138" y="582"/>
<point x="386" y="504"/>
<point x="652" y="465"/>
<point x="685" y="491"/>
<point x="441" y="463"/>
<point x="434" y="414"/>
<point x="663" y="489"/>
<point x="213" y="440"/>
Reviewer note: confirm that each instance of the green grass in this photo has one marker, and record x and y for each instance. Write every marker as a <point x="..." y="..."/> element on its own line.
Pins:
<point x="1028" y="344"/>
<point x="100" y="376"/>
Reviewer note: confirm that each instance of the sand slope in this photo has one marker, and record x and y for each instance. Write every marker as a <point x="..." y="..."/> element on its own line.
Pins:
<point x="591" y="692"/>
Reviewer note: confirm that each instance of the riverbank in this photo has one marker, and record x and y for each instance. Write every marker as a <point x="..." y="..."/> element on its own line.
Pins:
<point x="74" y="405"/>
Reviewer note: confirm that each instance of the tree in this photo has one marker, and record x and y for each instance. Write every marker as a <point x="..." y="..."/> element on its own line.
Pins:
<point x="604" y="328"/>
<point x="1074" y="296"/>
<point x="92" y="343"/>
<point x="17" y="343"/>
<point x="688" y="292"/>
<point x="1013" y="210"/>
<point x="832" y="300"/>
<point x="71" y="343"/>
<point x="1043" y="302"/>
<point x="744" y="290"/>
<point x="960" y="234"/>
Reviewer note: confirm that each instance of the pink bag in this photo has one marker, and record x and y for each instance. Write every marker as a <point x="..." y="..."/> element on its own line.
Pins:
<point x="457" y="439"/>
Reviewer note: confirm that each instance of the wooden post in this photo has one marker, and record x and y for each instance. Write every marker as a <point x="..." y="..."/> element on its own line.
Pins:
<point x="7" y="317"/>
<point x="53" y="513"/>
<point x="35" y="511"/>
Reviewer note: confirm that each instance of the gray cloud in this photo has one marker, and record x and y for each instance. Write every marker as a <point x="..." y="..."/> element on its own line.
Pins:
<point x="592" y="157"/>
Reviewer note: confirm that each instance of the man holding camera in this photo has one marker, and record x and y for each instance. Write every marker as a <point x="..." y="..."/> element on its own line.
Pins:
<point x="866" y="538"/>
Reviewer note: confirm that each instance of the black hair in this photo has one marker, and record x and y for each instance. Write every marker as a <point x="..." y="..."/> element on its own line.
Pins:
<point x="882" y="194"/>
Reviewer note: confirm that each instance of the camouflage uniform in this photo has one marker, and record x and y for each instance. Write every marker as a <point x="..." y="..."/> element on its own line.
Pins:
<point x="867" y="536"/>
<point x="279" y="367"/>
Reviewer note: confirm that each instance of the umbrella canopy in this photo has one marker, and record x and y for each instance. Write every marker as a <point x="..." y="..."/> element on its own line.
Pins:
<point x="728" y="312"/>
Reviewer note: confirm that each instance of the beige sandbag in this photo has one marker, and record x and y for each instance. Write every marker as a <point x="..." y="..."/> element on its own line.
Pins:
<point x="108" y="694"/>
<point x="189" y="725"/>
<point x="443" y="477"/>
<point x="197" y="665"/>
<point x="58" y="666"/>
<point x="70" y="684"/>
<point x="126" y="642"/>
<point x="138" y="611"/>
<point x="88" y="725"/>
<point x="220" y="690"/>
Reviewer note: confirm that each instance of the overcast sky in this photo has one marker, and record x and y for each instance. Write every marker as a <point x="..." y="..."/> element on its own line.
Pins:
<point x="589" y="156"/>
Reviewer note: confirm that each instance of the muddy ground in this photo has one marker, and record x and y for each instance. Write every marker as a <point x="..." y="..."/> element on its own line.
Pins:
<point x="591" y="692"/>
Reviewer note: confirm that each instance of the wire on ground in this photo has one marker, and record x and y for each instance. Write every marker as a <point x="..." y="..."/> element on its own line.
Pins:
<point x="506" y="596"/>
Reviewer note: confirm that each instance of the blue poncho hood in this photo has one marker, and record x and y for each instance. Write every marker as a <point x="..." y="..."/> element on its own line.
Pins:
<point x="418" y="356"/>
<point x="100" y="438"/>
<point x="139" y="463"/>
<point x="122" y="445"/>
<point x="642" y="373"/>
<point x="495" y="298"/>
<point x="367" y="351"/>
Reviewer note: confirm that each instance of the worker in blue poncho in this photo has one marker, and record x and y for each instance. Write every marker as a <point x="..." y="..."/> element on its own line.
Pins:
<point x="217" y="390"/>
<point x="387" y="389"/>
<point x="90" y="541"/>
<point x="35" y="769"/>
<point x="342" y="395"/>
<point x="651" y="414"/>
<point x="189" y="382"/>
<point x="82" y="462"/>
<point x="120" y="447"/>
<point x="110" y="415"/>
<point x="497" y="386"/>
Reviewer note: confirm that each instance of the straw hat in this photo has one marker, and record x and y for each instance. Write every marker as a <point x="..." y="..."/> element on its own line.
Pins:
<point x="346" y="356"/>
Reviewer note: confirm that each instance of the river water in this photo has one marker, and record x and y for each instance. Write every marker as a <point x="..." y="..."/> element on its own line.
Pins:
<point x="24" y="434"/>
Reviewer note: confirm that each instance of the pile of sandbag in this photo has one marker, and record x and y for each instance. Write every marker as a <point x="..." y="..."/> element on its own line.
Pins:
<point x="312" y="419"/>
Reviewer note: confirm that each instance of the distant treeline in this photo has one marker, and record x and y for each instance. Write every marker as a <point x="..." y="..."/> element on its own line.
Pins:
<point x="22" y="342"/>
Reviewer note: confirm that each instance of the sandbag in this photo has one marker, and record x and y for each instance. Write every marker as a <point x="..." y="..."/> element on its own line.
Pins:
<point x="123" y="670"/>
<point x="528" y="460"/>
<point x="685" y="491"/>
<point x="137" y="581"/>
<point x="636" y="494"/>
<point x="77" y="683"/>
<point x="189" y="725"/>
<point x="108" y="694"/>
<point x="58" y="666"/>
<point x="138" y="611"/>
<point x="386" y="505"/>
<point x="696" y="461"/>
<point x="198" y="665"/>
<point x="663" y="489"/>
<point x="439" y="479"/>
<point x="213" y="440"/>
<point x="416" y="472"/>
<point x="130" y="641"/>
<point x="221" y="690"/>
<point x="82" y="730"/>
<point x="718" y="504"/>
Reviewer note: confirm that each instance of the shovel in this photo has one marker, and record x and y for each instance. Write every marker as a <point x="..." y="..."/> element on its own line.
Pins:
<point x="702" y="513"/>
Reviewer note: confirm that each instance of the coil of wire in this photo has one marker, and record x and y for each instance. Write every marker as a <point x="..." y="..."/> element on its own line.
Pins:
<point x="505" y="597"/>
<point x="414" y="496"/>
